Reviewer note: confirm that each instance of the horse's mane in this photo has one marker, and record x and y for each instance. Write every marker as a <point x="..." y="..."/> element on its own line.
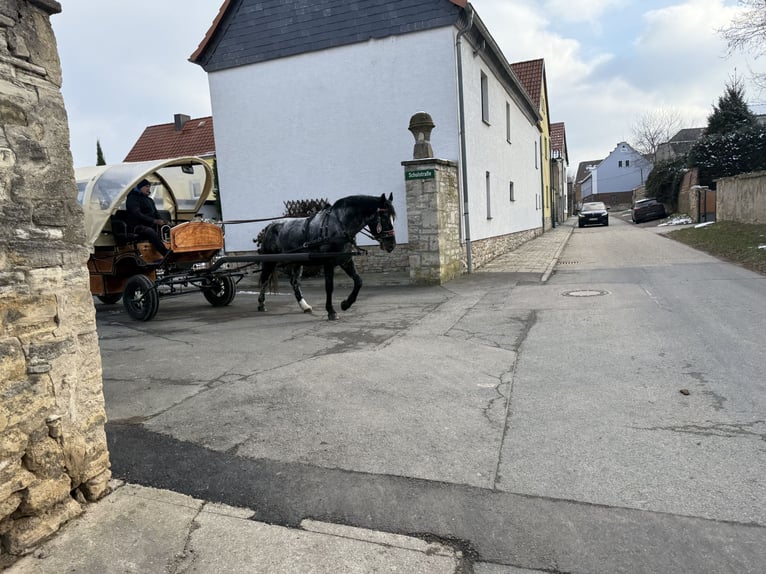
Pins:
<point x="364" y="200"/>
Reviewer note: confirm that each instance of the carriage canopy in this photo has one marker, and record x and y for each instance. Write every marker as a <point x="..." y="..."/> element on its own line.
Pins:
<point x="180" y="186"/>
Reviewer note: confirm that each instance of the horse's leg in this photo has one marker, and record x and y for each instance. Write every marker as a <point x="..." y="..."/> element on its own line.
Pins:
<point x="266" y="271"/>
<point x="295" y="280"/>
<point x="329" y="269"/>
<point x="350" y="270"/>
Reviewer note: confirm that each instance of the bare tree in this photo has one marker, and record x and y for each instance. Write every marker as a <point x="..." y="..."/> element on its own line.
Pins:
<point x="747" y="33"/>
<point x="654" y="127"/>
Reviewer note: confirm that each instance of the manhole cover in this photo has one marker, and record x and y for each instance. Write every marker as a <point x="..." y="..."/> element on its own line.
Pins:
<point x="585" y="293"/>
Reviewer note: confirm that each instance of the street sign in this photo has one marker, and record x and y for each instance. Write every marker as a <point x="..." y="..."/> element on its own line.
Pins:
<point x="419" y="174"/>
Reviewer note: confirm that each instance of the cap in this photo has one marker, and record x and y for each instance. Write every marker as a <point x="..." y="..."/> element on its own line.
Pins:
<point x="143" y="183"/>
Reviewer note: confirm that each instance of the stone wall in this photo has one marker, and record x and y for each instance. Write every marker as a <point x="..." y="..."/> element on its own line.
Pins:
<point x="376" y="260"/>
<point x="485" y="250"/>
<point x="686" y="204"/>
<point x="742" y="198"/>
<point x="53" y="452"/>
<point x="433" y="221"/>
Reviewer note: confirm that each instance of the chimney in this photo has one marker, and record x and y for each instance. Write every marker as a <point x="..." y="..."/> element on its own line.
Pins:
<point x="180" y="120"/>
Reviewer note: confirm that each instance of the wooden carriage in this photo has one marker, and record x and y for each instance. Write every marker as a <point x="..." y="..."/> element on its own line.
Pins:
<point x="122" y="265"/>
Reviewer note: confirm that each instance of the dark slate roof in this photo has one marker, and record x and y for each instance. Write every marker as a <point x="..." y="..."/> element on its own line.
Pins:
<point x="582" y="169"/>
<point x="194" y="137"/>
<point x="252" y="31"/>
<point x="688" y="135"/>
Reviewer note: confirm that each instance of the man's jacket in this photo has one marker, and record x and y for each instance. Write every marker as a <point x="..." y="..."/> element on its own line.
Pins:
<point x="141" y="209"/>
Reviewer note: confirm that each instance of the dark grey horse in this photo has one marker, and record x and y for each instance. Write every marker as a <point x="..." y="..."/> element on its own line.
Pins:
<point x="330" y="231"/>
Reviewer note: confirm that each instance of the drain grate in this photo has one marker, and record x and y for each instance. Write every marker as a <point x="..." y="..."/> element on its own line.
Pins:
<point x="585" y="293"/>
<point x="569" y="262"/>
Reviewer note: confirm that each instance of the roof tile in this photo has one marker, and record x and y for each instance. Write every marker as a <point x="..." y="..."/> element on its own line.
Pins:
<point x="530" y="74"/>
<point x="164" y="141"/>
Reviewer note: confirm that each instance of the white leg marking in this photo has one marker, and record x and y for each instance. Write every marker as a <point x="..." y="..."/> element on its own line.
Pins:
<point x="305" y="306"/>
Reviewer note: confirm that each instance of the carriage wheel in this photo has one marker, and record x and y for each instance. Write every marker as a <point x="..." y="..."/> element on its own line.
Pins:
<point x="140" y="298"/>
<point x="220" y="291"/>
<point x="110" y="298"/>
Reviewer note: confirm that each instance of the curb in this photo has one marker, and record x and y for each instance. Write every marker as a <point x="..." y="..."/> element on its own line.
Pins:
<point x="551" y="266"/>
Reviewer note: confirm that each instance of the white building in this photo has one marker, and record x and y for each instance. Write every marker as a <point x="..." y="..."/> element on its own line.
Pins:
<point x="313" y="100"/>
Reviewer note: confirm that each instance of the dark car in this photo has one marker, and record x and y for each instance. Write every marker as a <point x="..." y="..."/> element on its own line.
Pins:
<point x="593" y="213"/>
<point x="646" y="210"/>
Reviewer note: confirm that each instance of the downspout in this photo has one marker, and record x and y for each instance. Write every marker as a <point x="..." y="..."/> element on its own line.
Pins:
<point x="552" y="192"/>
<point x="463" y="167"/>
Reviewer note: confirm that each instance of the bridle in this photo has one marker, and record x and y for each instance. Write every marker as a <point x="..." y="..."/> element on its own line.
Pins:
<point x="379" y="234"/>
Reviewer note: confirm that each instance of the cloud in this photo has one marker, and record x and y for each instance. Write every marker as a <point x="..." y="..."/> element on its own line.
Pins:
<point x="607" y="62"/>
<point x="117" y="83"/>
<point x="586" y="10"/>
<point x="648" y="54"/>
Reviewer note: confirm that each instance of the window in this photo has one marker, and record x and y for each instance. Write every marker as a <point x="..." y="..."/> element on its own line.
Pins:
<point x="619" y="163"/>
<point x="535" y="155"/>
<point x="484" y="98"/>
<point x="489" y="199"/>
<point x="510" y="192"/>
<point x="627" y="163"/>
<point x="507" y="122"/>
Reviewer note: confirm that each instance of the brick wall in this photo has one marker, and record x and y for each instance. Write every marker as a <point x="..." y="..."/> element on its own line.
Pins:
<point x="53" y="453"/>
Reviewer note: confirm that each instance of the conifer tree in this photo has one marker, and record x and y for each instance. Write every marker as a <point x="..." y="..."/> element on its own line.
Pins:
<point x="732" y="113"/>
<point x="99" y="154"/>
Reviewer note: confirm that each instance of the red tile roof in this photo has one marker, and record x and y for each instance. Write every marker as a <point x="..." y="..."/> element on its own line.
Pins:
<point x="558" y="139"/>
<point x="530" y="74"/>
<point x="163" y="141"/>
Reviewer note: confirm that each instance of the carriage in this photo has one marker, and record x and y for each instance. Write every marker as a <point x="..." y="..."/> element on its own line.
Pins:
<point x="122" y="265"/>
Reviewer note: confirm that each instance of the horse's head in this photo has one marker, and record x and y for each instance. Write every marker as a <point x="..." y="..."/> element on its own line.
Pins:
<point x="382" y="224"/>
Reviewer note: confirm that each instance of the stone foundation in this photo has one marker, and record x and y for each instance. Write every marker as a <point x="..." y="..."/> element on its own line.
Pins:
<point x="485" y="250"/>
<point x="53" y="452"/>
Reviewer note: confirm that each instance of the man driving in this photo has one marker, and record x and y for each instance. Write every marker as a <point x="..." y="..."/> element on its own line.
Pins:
<point x="143" y="218"/>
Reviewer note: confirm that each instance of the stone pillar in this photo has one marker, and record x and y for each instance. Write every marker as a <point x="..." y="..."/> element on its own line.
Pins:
<point x="53" y="452"/>
<point x="433" y="210"/>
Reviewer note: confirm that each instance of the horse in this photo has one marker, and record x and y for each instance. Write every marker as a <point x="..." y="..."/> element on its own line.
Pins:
<point x="330" y="231"/>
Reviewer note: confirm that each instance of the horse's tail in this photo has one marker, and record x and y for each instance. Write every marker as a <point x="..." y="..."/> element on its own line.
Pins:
<point x="273" y="282"/>
<point x="269" y="279"/>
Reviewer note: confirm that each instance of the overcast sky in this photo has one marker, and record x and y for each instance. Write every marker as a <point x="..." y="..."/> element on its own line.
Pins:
<point x="125" y="64"/>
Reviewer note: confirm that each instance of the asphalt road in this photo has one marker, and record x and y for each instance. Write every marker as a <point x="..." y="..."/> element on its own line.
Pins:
<point x="610" y="420"/>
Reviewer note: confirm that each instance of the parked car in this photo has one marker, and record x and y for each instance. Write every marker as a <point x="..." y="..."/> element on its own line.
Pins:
<point x="593" y="213"/>
<point x="646" y="210"/>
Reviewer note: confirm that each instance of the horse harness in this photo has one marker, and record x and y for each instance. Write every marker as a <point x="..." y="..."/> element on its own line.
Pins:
<point x="326" y="237"/>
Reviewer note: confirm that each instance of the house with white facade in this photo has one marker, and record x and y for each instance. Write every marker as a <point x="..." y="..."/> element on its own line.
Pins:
<point x="615" y="177"/>
<point x="313" y="100"/>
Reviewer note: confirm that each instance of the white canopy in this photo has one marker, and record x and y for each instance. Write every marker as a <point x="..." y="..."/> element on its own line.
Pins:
<point x="179" y="186"/>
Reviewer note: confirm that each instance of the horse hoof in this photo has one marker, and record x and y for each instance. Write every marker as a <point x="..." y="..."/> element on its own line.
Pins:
<point x="309" y="310"/>
<point x="261" y="309"/>
<point x="332" y="317"/>
<point x="345" y="305"/>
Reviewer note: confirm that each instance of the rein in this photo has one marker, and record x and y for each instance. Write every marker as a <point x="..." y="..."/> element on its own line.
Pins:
<point x="235" y="221"/>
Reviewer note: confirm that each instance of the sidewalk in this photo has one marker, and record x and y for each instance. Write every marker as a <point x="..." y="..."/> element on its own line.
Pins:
<point x="137" y="529"/>
<point x="538" y="256"/>
<point x="143" y="530"/>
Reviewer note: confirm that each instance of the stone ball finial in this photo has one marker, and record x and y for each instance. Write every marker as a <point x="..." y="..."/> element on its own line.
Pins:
<point x="421" y="126"/>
